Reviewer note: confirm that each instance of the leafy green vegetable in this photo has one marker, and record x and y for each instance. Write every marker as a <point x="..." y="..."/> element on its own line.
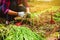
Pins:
<point x="57" y="16"/>
<point x="22" y="33"/>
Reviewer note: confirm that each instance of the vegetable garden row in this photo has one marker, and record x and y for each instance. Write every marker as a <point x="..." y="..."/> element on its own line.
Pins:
<point x="39" y="27"/>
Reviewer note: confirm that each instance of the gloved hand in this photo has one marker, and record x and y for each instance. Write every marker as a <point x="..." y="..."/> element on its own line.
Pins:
<point x="21" y="14"/>
<point x="28" y="15"/>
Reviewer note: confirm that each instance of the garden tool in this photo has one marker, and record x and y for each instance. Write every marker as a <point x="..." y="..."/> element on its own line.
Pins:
<point x="52" y="20"/>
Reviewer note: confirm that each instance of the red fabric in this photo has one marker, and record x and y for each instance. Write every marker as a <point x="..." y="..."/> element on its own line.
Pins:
<point x="8" y="4"/>
<point x="18" y="23"/>
<point x="5" y="5"/>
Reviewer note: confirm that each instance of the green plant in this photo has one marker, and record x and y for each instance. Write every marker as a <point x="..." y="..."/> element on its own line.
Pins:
<point x="57" y="17"/>
<point x="22" y="33"/>
<point x="3" y="31"/>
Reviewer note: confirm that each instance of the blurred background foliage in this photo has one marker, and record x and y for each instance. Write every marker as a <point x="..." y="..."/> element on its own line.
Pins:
<point x="40" y="5"/>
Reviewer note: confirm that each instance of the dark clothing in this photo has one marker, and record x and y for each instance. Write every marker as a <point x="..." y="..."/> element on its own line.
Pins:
<point x="9" y="4"/>
<point x="5" y="4"/>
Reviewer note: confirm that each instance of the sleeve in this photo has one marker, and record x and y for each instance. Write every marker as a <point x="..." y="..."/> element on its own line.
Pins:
<point x="0" y="7"/>
<point x="5" y="6"/>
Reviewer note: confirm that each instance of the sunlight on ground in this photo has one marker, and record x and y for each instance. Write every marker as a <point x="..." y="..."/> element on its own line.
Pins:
<point x="42" y="5"/>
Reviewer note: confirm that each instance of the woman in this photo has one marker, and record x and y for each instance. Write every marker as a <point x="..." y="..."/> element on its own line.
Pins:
<point x="11" y="8"/>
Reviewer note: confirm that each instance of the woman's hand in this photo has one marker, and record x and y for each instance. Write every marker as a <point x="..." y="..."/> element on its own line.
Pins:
<point x="13" y="13"/>
<point x="27" y="10"/>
